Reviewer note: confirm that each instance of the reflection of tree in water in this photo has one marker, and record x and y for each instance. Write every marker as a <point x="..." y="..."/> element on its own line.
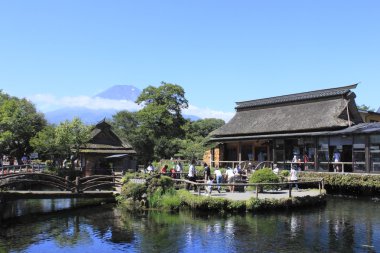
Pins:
<point x="68" y="228"/>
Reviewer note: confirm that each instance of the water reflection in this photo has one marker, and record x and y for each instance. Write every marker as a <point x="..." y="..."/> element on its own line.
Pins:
<point x="342" y="226"/>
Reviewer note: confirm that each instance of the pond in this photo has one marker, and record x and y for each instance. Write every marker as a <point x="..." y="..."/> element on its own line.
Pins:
<point x="343" y="225"/>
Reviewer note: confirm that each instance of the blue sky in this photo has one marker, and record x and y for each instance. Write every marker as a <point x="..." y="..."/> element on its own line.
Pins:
<point x="219" y="51"/>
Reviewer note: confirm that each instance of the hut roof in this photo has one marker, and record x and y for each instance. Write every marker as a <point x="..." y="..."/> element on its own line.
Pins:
<point x="303" y="112"/>
<point x="104" y="140"/>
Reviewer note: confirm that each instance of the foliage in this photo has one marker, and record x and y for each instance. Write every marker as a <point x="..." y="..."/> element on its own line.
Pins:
<point x="364" y="107"/>
<point x="163" y="182"/>
<point x="133" y="190"/>
<point x="264" y="175"/>
<point x="159" y="131"/>
<point x="347" y="183"/>
<point x="72" y="136"/>
<point x="45" y="145"/>
<point x="19" y="122"/>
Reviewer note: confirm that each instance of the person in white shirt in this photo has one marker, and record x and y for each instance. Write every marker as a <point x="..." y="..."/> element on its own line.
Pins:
<point x="294" y="175"/>
<point x="192" y="174"/>
<point x="230" y="178"/>
<point x="218" y="177"/>
<point x="150" y="168"/>
<point x="178" y="168"/>
<point x="208" y="187"/>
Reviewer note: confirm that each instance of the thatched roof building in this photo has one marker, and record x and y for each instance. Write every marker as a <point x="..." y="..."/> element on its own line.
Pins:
<point x="106" y="152"/>
<point x="320" y="110"/>
<point x="309" y="127"/>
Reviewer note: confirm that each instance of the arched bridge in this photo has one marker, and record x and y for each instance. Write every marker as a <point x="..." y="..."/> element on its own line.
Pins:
<point x="64" y="184"/>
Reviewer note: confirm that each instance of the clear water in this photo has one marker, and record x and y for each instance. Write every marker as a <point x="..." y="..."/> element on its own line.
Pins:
<point x="343" y="225"/>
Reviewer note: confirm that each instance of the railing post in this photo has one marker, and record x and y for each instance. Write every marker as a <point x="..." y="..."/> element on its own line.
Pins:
<point x="199" y="189"/>
<point x="323" y="184"/>
<point x="77" y="184"/>
<point x="290" y="190"/>
<point x="257" y="191"/>
<point x="67" y="181"/>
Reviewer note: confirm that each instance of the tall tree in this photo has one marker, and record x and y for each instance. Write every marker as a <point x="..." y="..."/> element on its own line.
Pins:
<point x="19" y="122"/>
<point x="71" y="136"/>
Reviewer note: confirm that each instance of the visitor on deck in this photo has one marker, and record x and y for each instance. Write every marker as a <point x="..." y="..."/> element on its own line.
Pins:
<point x="218" y="177"/>
<point x="192" y="174"/>
<point x="294" y="175"/>
<point x="230" y="178"/>
<point x="208" y="187"/>
<point x="207" y="171"/>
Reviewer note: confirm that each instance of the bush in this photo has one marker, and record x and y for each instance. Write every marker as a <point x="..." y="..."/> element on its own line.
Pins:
<point x="133" y="190"/>
<point x="162" y="181"/>
<point x="265" y="175"/>
<point x="347" y="183"/>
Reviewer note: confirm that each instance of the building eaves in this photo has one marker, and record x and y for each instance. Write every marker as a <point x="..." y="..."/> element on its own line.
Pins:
<point x="296" y="97"/>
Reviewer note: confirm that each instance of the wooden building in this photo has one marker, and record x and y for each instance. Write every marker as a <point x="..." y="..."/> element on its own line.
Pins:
<point x="312" y="128"/>
<point x="105" y="152"/>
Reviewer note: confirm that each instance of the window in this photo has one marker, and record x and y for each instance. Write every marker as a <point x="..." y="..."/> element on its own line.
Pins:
<point x="375" y="153"/>
<point x="279" y="152"/>
<point x="323" y="153"/>
<point x="358" y="153"/>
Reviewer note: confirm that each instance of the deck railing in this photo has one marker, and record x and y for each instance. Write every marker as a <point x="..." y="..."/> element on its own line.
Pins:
<point x="257" y="186"/>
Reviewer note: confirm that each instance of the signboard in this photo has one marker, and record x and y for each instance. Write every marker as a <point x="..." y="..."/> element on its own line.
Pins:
<point x="33" y="155"/>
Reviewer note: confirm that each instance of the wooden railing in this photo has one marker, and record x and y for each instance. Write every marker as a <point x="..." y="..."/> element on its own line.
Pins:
<point x="257" y="186"/>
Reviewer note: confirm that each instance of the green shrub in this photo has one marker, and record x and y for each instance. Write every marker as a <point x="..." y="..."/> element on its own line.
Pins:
<point x="265" y="175"/>
<point x="346" y="183"/>
<point x="133" y="190"/>
<point x="162" y="181"/>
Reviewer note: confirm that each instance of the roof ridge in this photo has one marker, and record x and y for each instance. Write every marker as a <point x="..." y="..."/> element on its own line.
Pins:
<point x="297" y="96"/>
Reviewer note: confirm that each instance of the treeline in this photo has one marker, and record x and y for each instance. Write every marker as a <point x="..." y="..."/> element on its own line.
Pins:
<point x="157" y="131"/>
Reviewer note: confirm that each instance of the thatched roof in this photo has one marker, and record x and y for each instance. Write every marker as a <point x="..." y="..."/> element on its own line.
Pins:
<point x="303" y="112"/>
<point x="104" y="141"/>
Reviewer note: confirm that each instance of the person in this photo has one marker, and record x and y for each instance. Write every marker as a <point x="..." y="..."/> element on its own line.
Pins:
<point x="261" y="157"/>
<point x="237" y="172"/>
<point x="150" y="168"/>
<point x="306" y="160"/>
<point x="173" y="173"/>
<point x="230" y="178"/>
<point x="275" y="169"/>
<point x="207" y="171"/>
<point x="336" y="158"/>
<point x="294" y="175"/>
<point x="208" y="187"/>
<point x="164" y="169"/>
<point x="192" y="174"/>
<point x="24" y="159"/>
<point x="218" y="177"/>
<point x="178" y="168"/>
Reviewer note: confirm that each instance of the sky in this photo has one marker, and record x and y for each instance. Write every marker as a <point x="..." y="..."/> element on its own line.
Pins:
<point x="221" y="52"/>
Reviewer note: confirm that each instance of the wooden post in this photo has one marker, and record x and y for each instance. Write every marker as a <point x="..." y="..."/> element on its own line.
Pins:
<point x="77" y="184"/>
<point x="323" y="183"/>
<point x="290" y="190"/>
<point x="257" y="191"/>
<point x="320" y="188"/>
<point x="199" y="189"/>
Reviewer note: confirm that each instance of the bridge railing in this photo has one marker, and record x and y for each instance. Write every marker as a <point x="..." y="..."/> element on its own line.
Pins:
<point x="32" y="167"/>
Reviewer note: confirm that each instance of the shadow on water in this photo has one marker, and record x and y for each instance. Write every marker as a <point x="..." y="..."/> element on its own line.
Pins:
<point x="343" y="225"/>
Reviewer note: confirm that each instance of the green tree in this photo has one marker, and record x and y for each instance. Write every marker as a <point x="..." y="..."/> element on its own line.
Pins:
<point x="364" y="107"/>
<point x="19" y="122"/>
<point x="44" y="143"/>
<point x="152" y="130"/>
<point x="71" y="136"/>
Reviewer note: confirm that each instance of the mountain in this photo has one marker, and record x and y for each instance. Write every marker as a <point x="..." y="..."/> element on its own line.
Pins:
<point x="121" y="92"/>
<point x="88" y="116"/>
<point x="93" y="116"/>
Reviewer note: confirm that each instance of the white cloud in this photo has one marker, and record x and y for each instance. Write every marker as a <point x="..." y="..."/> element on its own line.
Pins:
<point x="208" y="113"/>
<point x="47" y="102"/>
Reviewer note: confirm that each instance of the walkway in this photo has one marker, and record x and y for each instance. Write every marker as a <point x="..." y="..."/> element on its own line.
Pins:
<point x="266" y="195"/>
